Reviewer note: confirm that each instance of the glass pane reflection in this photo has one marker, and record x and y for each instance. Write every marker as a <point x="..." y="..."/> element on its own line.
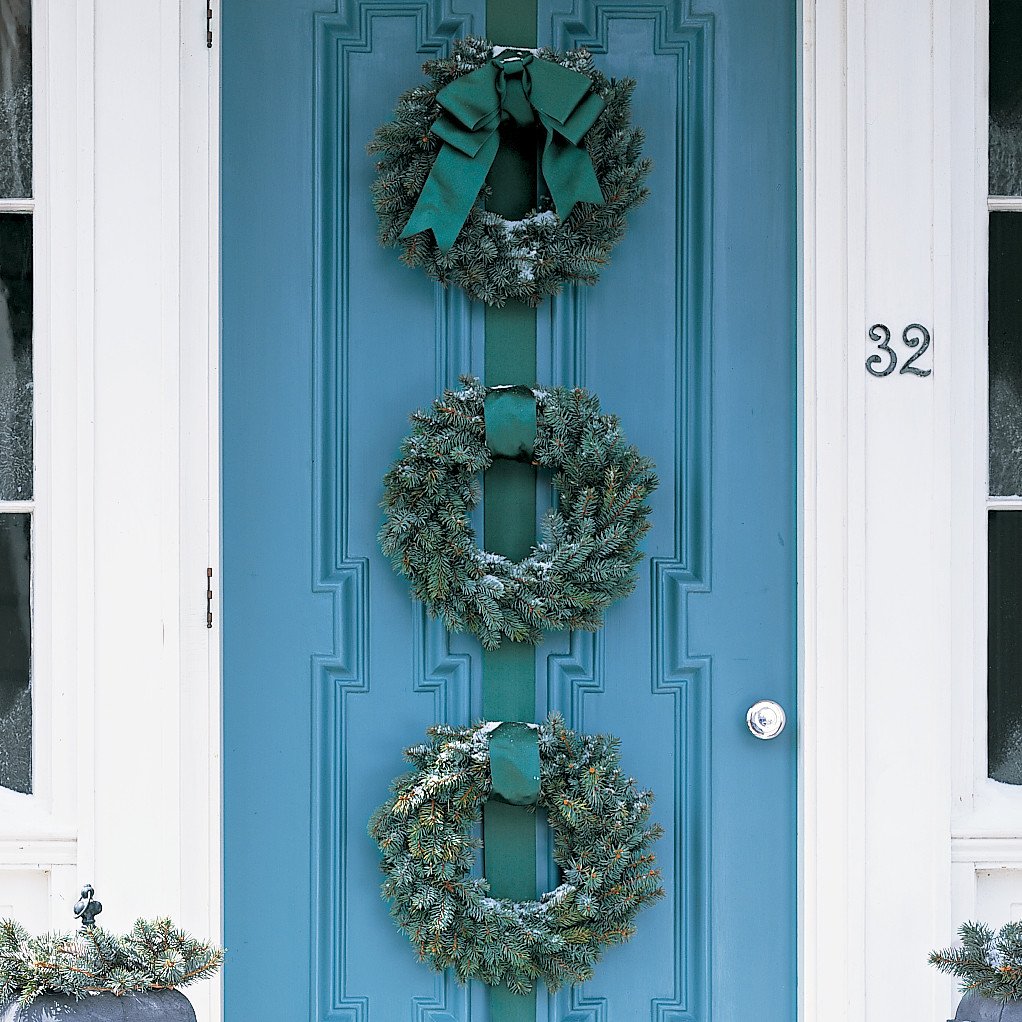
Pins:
<point x="1005" y="354"/>
<point x="1005" y="97"/>
<point x="15" y="356"/>
<point x="15" y="652"/>
<point x="15" y="99"/>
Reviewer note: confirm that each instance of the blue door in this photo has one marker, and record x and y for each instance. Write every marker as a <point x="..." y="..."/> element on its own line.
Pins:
<point x="330" y="341"/>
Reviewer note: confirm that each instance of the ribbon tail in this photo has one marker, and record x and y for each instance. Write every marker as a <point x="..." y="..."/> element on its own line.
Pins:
<point x="568" y="172"/>
<point x="449" y="192"/>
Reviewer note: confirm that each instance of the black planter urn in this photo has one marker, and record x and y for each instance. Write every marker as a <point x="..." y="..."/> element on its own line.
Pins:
<point x="145" y="1006"/>
<point x="986" y="1009"/>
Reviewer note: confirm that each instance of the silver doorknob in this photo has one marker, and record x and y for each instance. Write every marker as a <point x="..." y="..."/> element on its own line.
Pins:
<point x="765" y="719"/>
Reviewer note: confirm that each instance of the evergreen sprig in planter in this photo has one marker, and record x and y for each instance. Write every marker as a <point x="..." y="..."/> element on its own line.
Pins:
<point x="93" y="975"/>
<point x="989" y="966"/>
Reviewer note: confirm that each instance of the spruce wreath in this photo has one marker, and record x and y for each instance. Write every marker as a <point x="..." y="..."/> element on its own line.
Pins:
<point x="601" y="841"/>
<point x="491" y="258"/>
<point x="590" y="550"/>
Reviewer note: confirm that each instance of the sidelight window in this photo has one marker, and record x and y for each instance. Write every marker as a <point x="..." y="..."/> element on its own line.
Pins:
<point x="1004" y="508"/>
<point x="17" y="505"/>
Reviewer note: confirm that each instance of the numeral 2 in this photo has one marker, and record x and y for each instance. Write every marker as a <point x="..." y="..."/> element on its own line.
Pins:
<point x="911" y="342"/>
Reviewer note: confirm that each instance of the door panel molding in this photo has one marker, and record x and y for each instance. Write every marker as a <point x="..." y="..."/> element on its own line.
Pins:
<point x="682" y="51"/>
<point x="347" y="42"/>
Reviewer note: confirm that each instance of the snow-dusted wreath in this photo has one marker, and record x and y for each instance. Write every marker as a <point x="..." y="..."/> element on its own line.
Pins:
<point x="601" y="846"/>
<point x="491" y="258"/>
<point x="590" y="550"/>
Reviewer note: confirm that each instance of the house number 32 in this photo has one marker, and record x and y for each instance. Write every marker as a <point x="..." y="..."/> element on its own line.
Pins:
<point x="915" y="337"/>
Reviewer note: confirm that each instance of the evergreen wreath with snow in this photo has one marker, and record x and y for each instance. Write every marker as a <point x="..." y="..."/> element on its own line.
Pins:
<point x="601" y="846"/>
<point x="589" y="553"/>
<point x="494" y="259"/>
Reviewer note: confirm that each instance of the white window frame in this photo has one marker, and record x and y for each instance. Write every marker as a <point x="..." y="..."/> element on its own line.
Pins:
<point x="37" y="832"/>
<point x="125" y="672"/>
<point x="987" y="821"/>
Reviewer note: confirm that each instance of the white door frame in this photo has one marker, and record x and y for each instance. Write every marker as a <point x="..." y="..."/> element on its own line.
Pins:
<point x="893" y="476"/>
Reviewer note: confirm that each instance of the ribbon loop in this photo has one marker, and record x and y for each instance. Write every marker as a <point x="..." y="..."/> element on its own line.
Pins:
<point x="514" y="86"/>
<point x="513" y="90"/>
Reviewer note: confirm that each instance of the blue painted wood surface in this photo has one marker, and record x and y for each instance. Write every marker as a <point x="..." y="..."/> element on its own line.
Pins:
<point x="329" y="669"/>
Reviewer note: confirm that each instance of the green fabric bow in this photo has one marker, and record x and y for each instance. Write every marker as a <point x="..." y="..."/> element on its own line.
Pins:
<point x="513" y="86"/>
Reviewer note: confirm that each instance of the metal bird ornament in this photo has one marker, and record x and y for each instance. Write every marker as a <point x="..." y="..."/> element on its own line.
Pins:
<point x="86" y="907"/>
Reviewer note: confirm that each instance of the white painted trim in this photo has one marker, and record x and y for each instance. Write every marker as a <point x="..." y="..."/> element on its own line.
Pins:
<point x="78" y="468"/>
<point x="893" y="513"/>
<point x="201" y="841"/>
<point x="17" y="205"/>
<point x="969" y="381"/>
<point x="987" y="816"/>
<point x="831" y="803"/>
<point x="45" y="723"/>
<point x="807" y="568"/>
<point x="126" y="673"/>
<point x="1005" y="203"/>
<point x="47" y="830"/>
<point x="59" y="140"/>
<point x="40" y="853"/>
<point x="988" y="853"/>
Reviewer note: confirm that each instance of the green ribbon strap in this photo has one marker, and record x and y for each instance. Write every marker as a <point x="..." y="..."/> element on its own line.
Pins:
<point x="510" y="416"/>
<point x="513" y="86"/>
<point x="514" y="764"/>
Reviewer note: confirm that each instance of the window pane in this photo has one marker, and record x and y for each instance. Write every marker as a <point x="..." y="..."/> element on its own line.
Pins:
<point x="1005" y="97"/>
<point x="15" y="99"/>
<point x="1005" y="354"/>
<point x="15" y="652"/>
<point x="15" y="355"/>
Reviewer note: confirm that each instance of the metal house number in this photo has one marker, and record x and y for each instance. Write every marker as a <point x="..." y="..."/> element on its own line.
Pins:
<point x="915" y="337"/>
